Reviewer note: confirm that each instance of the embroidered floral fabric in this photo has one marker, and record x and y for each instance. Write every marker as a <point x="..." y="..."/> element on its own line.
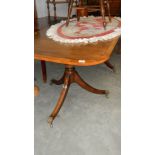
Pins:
<point x="87" y="30"/>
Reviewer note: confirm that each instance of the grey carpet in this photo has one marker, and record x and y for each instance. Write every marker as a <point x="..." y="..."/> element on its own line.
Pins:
<point x="88" y="124"/>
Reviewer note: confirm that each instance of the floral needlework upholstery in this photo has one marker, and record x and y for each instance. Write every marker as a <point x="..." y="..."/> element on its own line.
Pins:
<point x="88" y="29"/>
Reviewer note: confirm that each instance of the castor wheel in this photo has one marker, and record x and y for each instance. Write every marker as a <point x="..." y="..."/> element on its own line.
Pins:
<point x="50" y="122"/>
<point x="107" y="93"/>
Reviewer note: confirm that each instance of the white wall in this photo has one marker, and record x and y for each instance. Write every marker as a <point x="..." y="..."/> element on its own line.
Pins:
<point x="42" y="9"/>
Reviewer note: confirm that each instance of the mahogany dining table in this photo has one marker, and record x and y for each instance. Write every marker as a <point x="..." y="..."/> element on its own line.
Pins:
<point x="71" y="55"/>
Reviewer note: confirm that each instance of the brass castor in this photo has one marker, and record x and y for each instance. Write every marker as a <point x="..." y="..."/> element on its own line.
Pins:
<point x="50" y="121"/>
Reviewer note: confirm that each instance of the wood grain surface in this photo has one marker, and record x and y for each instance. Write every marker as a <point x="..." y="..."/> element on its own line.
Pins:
<point x="78" y="55"/>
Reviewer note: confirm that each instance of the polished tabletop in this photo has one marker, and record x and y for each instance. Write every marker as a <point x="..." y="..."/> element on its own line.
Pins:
<point x="78" y="54"/>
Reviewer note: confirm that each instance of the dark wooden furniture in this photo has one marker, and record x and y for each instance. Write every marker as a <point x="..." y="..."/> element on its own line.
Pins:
<point x="36" y="30"/>
<point x="44" y="73"/>
<point x="81" y="11"/>
<point x="115" y="6"/>
<point x="71" y="56"/>
<point x="35" y="18"/>
<point x="54" y="2"/>
<point x="91" y="8"/>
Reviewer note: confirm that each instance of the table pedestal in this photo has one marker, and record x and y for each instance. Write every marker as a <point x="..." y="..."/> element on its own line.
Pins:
<point x="70" y="76"/>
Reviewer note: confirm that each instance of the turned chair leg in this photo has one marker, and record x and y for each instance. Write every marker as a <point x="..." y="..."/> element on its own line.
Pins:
<point x="103" y="12"/>
<point x="108" y="8"/>
<point x="70" y="6"/>
<point x="54" y="6"/>
<point x="48" y="9"/>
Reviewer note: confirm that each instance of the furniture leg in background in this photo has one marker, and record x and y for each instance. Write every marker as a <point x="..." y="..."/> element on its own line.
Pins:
<point x="48" y="10"/>
<point x="54" y="2"/>
<point x="108" y="8"/>
<point x="103" y="12"/>
<point x="43" y="68"/>
<point x="70" y="6"/>
<point x="54" y="6"/>
<point x="36" y="28"/>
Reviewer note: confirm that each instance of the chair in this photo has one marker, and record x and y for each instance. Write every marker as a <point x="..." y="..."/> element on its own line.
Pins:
<point x="54" y="2"/>
<point x="90" y="8"/>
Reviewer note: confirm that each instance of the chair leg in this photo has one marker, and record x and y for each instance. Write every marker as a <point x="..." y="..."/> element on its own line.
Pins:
<point x="103" y="12"/>
<point x="70" y="6"/>
<point x="54" y="6"/>
<point x="108" y="8"/>
<point x="69" y="3"/>
<point x="48" y="9"/>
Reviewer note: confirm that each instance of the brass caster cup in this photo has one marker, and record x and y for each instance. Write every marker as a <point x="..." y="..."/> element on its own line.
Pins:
<point x="50" y="122"/>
